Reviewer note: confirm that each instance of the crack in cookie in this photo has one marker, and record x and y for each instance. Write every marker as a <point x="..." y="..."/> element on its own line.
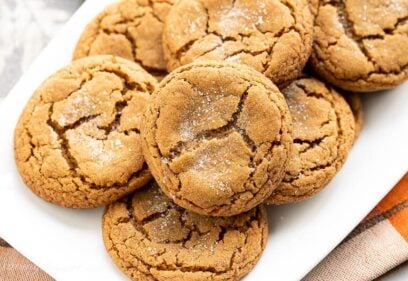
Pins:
<point x="77" y="143"/>
<point x="215" y="133"/>
<point x="323" y="132"/>
<point x="131" y="29"/>
<point x="216" y="137"/>
<point x="151" y="238"/>
<point x="248" y="32"/>
<point x="360" y="45"/>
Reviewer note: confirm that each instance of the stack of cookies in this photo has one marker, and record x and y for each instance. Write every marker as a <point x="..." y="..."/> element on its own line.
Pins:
<point x="184" y="165"/>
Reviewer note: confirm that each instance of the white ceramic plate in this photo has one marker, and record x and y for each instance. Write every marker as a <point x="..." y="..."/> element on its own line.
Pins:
<point x="68" y="244"/>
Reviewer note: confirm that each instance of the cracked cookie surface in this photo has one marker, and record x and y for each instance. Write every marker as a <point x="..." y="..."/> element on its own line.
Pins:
<point x="216" y="137"/>
<point x="323" y="133"/>
<point x="356" y="106"/>
<point x="274" y="36"/>
<point x="77" y="143"/>
<point x="131" y="29"/>
<point x="151" y="238"/>
<point x="314" y="6"/>
<point x="361" y="45"/>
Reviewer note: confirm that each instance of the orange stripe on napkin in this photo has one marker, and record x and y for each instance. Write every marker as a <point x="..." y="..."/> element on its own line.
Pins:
<point x="375" y="246"/>
<point x="398" y="195"/>
<point x="400" y="222"/>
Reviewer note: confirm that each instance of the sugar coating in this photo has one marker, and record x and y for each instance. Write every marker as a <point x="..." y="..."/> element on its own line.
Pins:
<point x="131" y="29"/>
<point x="77" y="143"/>
<point x="361" y="45"/>
<point x="151" y="238"/>
<point x="216" y="137"/>
<point x="323" y="133"/>
<point x="274" y="37"/>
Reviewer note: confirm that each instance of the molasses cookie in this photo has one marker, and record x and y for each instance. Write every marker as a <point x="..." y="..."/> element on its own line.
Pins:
<point x="216" y="137"/>
<point x="323" y="133"/>
<point x="150" y="238"/>
<point x="77" y="143"/>
<point x="362" y="45"/>
<point x="314" y="6"/>
<point x="131" y="29"/>
<point x="356" y="106"/>
<point x="274" y="36"/>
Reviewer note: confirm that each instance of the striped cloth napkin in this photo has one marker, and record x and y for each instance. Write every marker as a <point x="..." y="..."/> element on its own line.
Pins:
<point x="378" y="244"/>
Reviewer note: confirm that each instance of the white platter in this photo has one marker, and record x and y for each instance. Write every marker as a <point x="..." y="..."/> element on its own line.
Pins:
<point x="68" y="245"/>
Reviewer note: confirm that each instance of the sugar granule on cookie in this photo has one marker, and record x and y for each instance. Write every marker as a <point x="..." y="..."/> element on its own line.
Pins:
<point x="323" y="133"/>
<point x="77" y="143"/>
<point x="361" y="45"/>
<point x="273" y="36"/>
<point x="151" y="238"/>
<point x="216" y="137"/>
<point x="131" y="29"/>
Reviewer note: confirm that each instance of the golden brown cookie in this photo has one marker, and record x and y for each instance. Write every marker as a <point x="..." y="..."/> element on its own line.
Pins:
<point x="274" y="36"/>
<point x="362" y="45"/>
<point x="323" y="133"/>
<point x="356" y="106"/>
<point x="77" y="143"/>
<point x="131" y="29"/>
<point x="314" y="6"/>
<point x="216" y="137"/>
<point x="150" y="238"/>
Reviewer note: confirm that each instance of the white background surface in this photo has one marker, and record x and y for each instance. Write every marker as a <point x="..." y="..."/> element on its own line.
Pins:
<point x="399" y="274"/>
<point x="68" y="244"/>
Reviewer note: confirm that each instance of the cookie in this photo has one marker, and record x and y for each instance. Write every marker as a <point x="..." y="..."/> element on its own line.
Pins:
<point x="323" y="133"/>
<point x="361" y="45"/>
<point x="356" y="106"/>
<point x="314" y="6"/>
<point x="274" y="36"/>
<point x="216" y="137"/>
<point x="131" y="29"/>
<point x="150" y="238"/>
<point x="77" y="143"/>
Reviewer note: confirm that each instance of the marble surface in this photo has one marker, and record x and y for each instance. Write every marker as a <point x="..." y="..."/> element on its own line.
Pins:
<point x="26" y="27"/>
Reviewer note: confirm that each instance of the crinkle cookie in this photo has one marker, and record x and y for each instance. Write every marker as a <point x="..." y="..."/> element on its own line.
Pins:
<point x="216" y="137"/>
<point x="273" y="36"/>
<point x="131" y="29"/>
<point x="323" y="133"/>
<point x="362" y="45"/>
<point x="150" y="238"/>
<point x="77" y="143"/>
<point x="356" y="106"/>
<point x="314" y="6"/>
